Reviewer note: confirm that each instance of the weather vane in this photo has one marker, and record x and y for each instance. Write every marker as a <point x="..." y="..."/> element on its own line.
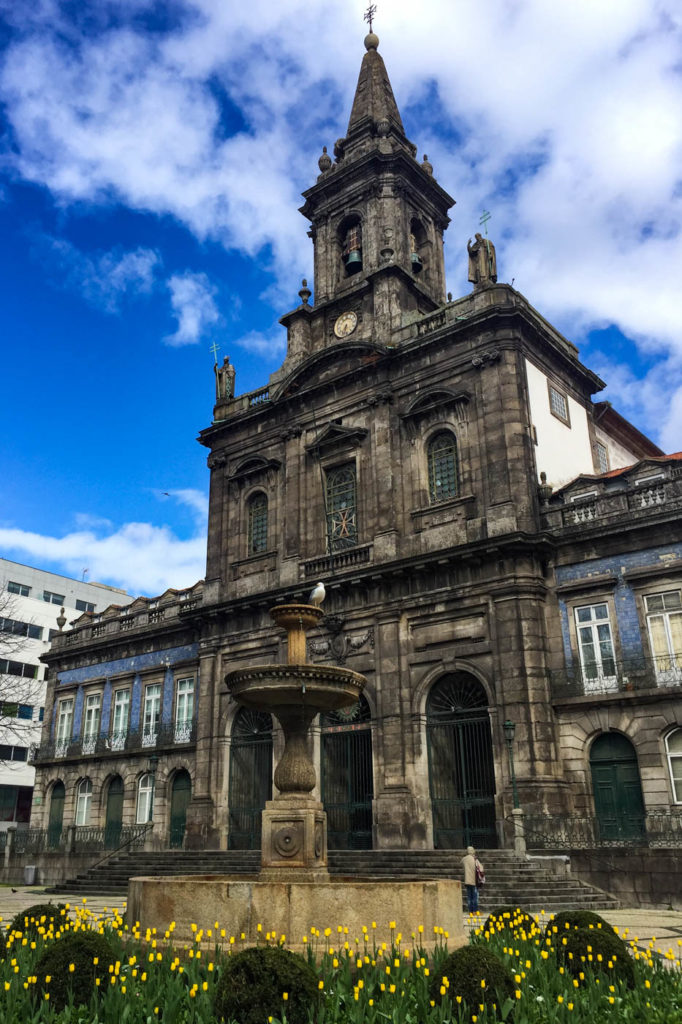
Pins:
<point x="215" y="349"/>
<point x="368" y="16"/>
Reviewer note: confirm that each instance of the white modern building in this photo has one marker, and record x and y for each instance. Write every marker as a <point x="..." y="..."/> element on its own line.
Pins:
<point x="31" y="601"/>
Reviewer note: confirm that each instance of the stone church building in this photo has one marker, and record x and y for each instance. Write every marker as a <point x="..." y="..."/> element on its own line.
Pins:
<point x="502" y="557"/>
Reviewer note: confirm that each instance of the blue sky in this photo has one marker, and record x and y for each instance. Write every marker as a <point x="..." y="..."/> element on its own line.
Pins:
<point x="152" y="157"/>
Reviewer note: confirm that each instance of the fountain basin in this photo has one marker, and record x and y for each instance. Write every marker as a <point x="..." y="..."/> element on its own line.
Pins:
<point x="293" y="908"/>
<point x="312" y="688"/>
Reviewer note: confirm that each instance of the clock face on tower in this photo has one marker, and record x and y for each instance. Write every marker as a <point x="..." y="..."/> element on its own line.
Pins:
<point x="345" y="324"/>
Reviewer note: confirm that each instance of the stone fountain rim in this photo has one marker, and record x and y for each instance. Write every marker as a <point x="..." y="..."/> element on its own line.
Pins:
<point x="327" y="674"/>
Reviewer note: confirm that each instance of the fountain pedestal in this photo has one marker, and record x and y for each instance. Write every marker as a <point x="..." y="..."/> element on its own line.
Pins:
<point x="294" y="824"/>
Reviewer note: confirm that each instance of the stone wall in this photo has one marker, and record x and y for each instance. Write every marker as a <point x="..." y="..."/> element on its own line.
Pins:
<point x="639" y="877"/>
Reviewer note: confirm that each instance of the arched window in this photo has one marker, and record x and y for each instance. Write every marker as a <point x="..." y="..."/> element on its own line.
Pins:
<point x="258" y="524"/>
<point x="145" y="798"/>
<point x="417" y="245"/>
<point x="83" y="802"/>
<point x="442" y="459"/>
<point x="673" y="746"/>
<point x="342" y="511"/>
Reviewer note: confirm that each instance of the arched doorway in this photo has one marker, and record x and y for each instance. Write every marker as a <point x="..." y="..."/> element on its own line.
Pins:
<point x="461" y="769"/>
<point x="618" y="802"/>
<point x="56" y="819"/>
<point x="112" y="829"/>
<point x="181" y="794"/>
<point x="347" y="781"/>
<point x="250" y="777"/>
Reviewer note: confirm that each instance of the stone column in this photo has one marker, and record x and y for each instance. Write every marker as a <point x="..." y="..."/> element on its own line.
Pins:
<point x="201" y="832"/>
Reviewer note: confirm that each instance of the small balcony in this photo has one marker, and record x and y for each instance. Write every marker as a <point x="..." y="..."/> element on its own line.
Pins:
<point x="638" y="674"/>
<point x="164" y="737"/>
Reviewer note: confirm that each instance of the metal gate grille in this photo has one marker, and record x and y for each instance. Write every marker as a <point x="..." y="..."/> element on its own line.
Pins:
<point x="461" y="769"/>
<point x="250" y="778"/>
<point x="347" y="777"/>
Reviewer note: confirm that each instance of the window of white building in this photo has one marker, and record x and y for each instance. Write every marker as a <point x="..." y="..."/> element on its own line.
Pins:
<point x="152" y="714"/>
<point x="64" y="725"/>
<point x="664" y="622"/>
<point x="121" y="719"/>
<point x="184" y="710"/>
<point x="145" y="794"/>
<point x="595" y="643"/>
<point x="93" y="706"/>
<point x="83" y="802"/>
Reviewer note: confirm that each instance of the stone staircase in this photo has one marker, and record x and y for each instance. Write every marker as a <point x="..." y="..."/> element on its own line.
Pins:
<point x="510" y="879"/>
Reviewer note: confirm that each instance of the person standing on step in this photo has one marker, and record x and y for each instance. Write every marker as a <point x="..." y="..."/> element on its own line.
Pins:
<point x="473" y="877"/>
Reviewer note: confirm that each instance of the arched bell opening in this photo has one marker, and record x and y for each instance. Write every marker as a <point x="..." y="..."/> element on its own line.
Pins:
<point x="350" y="242"/>
<point x="347" y="778"/>
<point x="250" y="778"/>
<point x="418" y="246"/>
<point x="461" y="767"/>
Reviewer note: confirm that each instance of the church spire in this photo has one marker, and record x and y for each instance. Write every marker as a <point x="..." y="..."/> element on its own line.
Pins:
<point x="374" y="100"/>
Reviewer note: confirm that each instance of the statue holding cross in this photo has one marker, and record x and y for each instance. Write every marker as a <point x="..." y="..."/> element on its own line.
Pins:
<point x="224" y="380"/>
<point x="482" y="258"/>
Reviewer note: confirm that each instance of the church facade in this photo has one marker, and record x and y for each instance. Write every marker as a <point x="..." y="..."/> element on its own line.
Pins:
<point x="502" y="558"/>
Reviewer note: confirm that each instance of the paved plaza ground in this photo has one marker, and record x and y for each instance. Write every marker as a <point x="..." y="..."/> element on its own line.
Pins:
<point x="662" y="927"/>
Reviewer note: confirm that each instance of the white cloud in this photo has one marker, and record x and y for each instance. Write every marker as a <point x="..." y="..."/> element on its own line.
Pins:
<point x="590" y="228"/>
<point x="195" y="501"/>
<point x="103" y="278"/>
<point x="265" y="343"/>
<point x="140" y="557"/>
<point x="192" y="301"/>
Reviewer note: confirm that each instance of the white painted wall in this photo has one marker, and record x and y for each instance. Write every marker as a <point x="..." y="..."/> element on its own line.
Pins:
<point x="619" y="456"/>
<point x="34" y="610"/>
<point x="562" y="451"/>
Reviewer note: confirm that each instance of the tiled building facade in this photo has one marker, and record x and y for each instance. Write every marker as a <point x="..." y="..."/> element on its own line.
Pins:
<point x="397" y="455"/>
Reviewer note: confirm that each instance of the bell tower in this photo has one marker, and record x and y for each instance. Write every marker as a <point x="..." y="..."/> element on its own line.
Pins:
<point x="377" y="219"/>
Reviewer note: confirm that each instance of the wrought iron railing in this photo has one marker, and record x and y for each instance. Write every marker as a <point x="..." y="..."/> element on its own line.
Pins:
<point x="635" y="673"/>
<point x="570" y="832"/>
<point x="167" y="735"/>
<point x="83" y="838"/>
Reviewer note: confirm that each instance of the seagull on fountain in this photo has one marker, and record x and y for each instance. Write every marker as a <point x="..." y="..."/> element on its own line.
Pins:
<point x="317" y="594"/>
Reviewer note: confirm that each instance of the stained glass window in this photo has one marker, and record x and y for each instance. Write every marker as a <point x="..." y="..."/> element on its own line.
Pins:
<point x="342" y="513"/>
<point x="258" y="524"/>
<point x="442" y="458"/>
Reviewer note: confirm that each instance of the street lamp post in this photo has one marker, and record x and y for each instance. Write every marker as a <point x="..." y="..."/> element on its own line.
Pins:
<point x="153" y="765"/>
<point x="509" y="730"/>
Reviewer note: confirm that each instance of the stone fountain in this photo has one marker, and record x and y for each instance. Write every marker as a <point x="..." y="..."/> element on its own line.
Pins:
<point x="294" y="890"/>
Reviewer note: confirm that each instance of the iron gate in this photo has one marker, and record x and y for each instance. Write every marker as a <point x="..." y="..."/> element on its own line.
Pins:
<point x="347" y="777"/>
<point x="461" y="768"/>
<point x="250" y="778"/>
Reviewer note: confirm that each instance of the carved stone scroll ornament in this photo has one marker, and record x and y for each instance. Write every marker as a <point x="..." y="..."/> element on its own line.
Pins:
<point x="216" y="459"/>
<point x="339" y="646"/>
<point x="486" y="358"/>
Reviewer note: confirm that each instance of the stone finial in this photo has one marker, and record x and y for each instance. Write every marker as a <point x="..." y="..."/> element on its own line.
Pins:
<point x="383" y="127"/>
<point x="325" y="161"/>
<point x="61" y="620"/>
<point x="305" y="292"/>
<point x="449" y="296"/>
<point x="544" y="489"/>
<point x="426" y="166"/>
<point x="371" y="41"/>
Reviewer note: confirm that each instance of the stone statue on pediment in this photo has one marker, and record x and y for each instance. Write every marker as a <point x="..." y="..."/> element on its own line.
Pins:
<point x="482" y="262"/>
<point x="224" y="380"/>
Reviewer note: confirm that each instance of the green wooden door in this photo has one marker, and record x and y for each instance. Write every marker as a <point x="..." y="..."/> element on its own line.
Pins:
<point x="618" y="802"/>
<point x="56" y="819"/>
<point x="181" y="795"/>
<point x="114" y="822"/>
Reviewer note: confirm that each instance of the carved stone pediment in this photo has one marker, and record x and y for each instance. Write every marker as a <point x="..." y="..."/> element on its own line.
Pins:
<point x="253" y="467"/>
<point x="437" y="399"/>
<point x="335" y="437"/>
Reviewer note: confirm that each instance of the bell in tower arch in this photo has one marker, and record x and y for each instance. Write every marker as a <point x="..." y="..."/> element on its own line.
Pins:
<point x="352" y="250"/>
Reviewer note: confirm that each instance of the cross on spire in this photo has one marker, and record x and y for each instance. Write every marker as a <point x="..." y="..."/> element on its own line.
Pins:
<point x="368" y="16"/>
<point x="215" y="349"/>
<point x="485" y="217"/>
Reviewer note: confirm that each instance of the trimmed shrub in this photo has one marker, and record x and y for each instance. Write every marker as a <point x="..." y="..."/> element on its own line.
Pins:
<point x="465" y="969"/>
<point x="29" y="921"/>
<point x="253" y="981"/>
<point x="508" y="917"/>
<point x="605" y="948"/>
<point x="569" y="920"/>
<point x="78" y="948"/>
